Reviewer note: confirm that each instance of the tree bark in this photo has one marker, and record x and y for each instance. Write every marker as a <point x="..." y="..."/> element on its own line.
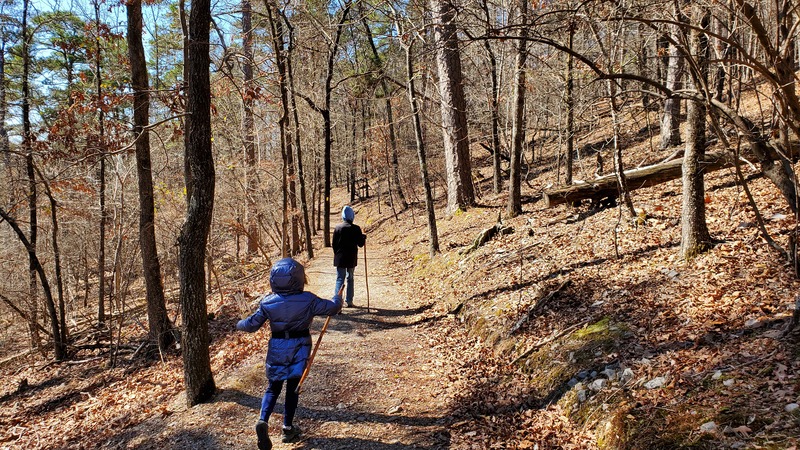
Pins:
<point x="569" y="100"/>
<point x="187" y="173"/>
<point x="327" y="126"/>
<point x="608" y="185"/>
<point x="460" y="190"/>
<point x="514" y="207"/>
<point x="101" y="257"/>
<point x="695" y="238"/>
<point x="670" y="119"/>
<point x="248" y="99"/>
<point x="27" y="148"/>
<point x="494" y="101"/>
<point x="387" y="100"/>
<point x="159" y="325"/>
<point x="60" y="348"/>
<point x="61" y="309"/>
<point x="277" y="36"/>
<point x="298" y="150"/>
<point x="199" y="381"/>
<point x="4" y="143"/>
<point x="420" y="143"/>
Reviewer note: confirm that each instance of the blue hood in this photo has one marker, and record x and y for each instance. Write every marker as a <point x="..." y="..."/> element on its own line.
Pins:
<point x="348" y="214"/>
<point x="287" y="276"/>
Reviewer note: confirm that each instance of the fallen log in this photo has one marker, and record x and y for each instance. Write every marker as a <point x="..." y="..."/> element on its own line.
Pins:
<point x="540" y="303"/>
<point x="606" y="186"/>
<point x="487" y="235"/>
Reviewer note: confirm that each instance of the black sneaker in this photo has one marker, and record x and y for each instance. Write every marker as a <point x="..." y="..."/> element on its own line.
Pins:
<point x="290" y="434"/>
<point x="262" y="431"/>
<point x="350" y="305"/>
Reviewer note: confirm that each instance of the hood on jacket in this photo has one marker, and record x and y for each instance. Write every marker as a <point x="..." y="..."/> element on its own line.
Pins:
<point x="287" y="276"/>
<point x="348" y="214"/>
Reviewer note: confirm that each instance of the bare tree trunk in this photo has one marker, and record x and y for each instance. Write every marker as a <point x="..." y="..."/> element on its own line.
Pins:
<point x="494" y="100"/>
<point x="325" y="112"/>
<point x="4" y="144"/>
<point x="514" y="207"/>
<point x="420" y="142"/>
<point x="670" y="120"/>
<point x="101" y="257"/>
<point x="326" y="119"/>
<point x="159" y="325"/>
<point x="298" y="150"/>
<point x="277" y="35"/>
<point x="695" y="237"/>
<point x="387" y="99"/>
<point x="570" y="104"/>
<point x="27" y="148"/>
<point x="187" y="172"/>
<point x="290" y="174"/>
<point x="251" y="209"/>
<point x="723" y="50"/>
<point x="61" y="309"/>
<point x="458" y="167"/>
<point x="199" y="381"/>
<point x="58" y="344"/>
<point x="285" y="244"/>
<point x="351" y="167"/>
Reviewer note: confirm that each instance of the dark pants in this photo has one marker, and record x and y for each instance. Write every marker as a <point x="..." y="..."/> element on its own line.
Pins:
<point x="271" y="397"/>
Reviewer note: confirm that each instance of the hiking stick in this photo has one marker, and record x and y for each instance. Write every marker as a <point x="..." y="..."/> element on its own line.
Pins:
<point x="366" y="276"/>
<point x="316" y="347"/>
<point x="311" y="358"/>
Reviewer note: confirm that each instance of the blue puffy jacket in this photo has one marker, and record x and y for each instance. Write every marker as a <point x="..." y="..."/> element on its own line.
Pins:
<point x="288" y="309"/>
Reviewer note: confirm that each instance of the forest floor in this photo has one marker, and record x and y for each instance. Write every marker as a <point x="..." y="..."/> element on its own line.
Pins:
<point x="580" y="329"/>
<point x="373" y="384"/>
<point x="376" y="382"/>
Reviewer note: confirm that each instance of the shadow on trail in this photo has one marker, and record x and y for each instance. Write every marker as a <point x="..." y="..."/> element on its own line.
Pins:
<point x="432" y="438"/>
<point x="347" y="321"/>
<point x="351" y="443"/>
<point x="349" y="416"/>
<point x="238" y="397"/>
<point x="184" y="439"/>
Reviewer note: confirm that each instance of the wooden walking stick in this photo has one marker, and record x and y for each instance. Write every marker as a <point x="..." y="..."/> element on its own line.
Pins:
<point x="366" y="274"/>
<point x="316" y="347"/>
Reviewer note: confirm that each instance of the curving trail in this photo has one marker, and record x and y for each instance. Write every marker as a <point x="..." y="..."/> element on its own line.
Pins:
<point x="373" y="384"/>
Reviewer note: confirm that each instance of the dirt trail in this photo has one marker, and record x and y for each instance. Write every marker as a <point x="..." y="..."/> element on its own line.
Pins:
<point x="371" y="386"/>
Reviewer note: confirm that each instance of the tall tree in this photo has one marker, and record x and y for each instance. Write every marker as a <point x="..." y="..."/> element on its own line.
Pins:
<point x="278" y="39"/>
<point x="327" y="125"/>
<point x="101" y="257"/>
<point x="27" y="148"/>
<point x="387" y="101"/>
<point x="407" y="41"/>
<point x="695" y="237"/>
<point x="458" y="167"/>
<point x="494" y="101"/>
<point x="159" y="325"/>
<point x="670" y="118"/>
<point x="298" y="149"/>
<point x="514" y="207"/>
<point x="569" y="100"/>
<point x="59" y="345"/>
<point x="248" y="99"/>
<point x="5" y="150"/>
<point x="198" y="379"/>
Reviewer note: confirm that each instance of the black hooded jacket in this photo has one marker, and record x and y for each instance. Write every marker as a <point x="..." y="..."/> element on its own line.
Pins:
<point x="347" y="237"/>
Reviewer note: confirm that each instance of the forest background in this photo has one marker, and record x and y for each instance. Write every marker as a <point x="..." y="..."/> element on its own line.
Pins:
<point x="146" y="174"/>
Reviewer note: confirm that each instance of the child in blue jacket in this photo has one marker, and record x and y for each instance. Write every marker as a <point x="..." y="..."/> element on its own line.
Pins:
<point x="290" y="311"/>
